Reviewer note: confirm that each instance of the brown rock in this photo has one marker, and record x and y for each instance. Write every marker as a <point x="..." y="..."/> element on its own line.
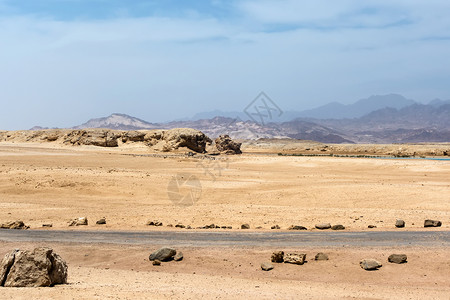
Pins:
<point x="397" y="258"/>
<point x="297" y="227"/>
<point x="245" y="226"/>
<point x="370" y="264"/>
<point x="156" y="262"/>
<point x="337" y="227"/>
<point x="277" y="256"/>
<point x="14" y="225"/>
<point x="226" y="145"/>
<point x="323" y="226"/>
<point x="399" y="223"/>
<point x="321" y="256"/>
<point x="179" y="256"/>
<point x="432" y="223"/>
<point x="39" y="268"/>
<point x="163" y="254"/>
<point x="295" y="258"/>
<point x="265" y="266"/>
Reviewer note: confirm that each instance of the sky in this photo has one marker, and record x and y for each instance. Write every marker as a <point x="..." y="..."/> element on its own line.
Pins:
<point x="63" y="62"/>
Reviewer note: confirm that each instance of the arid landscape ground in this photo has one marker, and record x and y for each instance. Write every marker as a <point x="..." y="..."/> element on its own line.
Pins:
<point x="48" y="183"/>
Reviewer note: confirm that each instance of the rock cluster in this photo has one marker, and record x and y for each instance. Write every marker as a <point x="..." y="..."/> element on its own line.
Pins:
<point x="38" y="268"/>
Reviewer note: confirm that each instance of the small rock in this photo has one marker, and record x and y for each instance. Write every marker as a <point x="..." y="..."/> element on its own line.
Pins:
<point x="370" y="264"/>
<point x="372" y="226"/>
<point x="102" y="221"/>
<point x="432" y="223"/>
<point x="83" y="221"/>
<point x="277" y="256"/>
<point x="275" y="227"/>
<point x="323" y="226"/>
<point x="295" y="258"/>
<point x="156" y="262"/>
<point x="258" y="227"/>
<point x="297" y="227"/>
<point x="180" y="226"/>
<point x="266" y="266"/>
<point x="397" y="258"/>
<point x="178" y="256"/>
<point x="245" y="226"/>
<point x="338" y="227"/>
<point x="163" y="254"/>
<point x="400" y="224"/>
<point x="321" y="256"/>
<point x="154" y="223"/>
<point x="47" y="225"/>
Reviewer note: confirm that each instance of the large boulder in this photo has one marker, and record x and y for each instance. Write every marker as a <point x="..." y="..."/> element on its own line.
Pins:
<point x="226" y="145"/>
<point x="163" y="254"/>
<point x="14" y="225"/>
<point x="38" y="268"/>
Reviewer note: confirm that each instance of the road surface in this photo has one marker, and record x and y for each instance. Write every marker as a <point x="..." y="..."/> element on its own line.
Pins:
<point x="233" y="239"/>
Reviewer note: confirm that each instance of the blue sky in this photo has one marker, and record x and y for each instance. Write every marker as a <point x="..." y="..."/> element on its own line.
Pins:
<point x="65" y="61"/>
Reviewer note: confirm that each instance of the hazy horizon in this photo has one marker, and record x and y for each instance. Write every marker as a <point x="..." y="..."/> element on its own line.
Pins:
<point x="65" y="62"/>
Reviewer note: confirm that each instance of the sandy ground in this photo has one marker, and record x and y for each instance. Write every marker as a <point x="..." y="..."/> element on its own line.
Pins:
<point x="39" y="186"/>
<point x="124" y="272"/>
<point x="42" y="185"/>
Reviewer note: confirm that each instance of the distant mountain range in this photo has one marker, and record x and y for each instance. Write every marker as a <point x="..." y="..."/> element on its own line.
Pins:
<point x="377" y="119"/>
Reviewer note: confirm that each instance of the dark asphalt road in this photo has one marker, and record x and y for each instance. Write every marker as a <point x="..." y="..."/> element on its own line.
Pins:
<point x="236" y="239"/>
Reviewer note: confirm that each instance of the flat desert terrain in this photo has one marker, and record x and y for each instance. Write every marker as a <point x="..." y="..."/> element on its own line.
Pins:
<point x="128" y="186"/>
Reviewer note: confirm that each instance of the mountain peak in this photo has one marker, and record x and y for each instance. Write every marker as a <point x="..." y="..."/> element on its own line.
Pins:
<point x="117" y="121"/>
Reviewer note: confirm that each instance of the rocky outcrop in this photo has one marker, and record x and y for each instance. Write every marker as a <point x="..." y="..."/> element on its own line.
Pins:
<point x="38" y="268"/>
<point x="226" y="145"/>
<point x="160" y="140"/>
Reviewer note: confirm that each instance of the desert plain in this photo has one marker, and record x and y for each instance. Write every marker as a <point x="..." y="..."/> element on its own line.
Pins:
<point x="44" y="183"/>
